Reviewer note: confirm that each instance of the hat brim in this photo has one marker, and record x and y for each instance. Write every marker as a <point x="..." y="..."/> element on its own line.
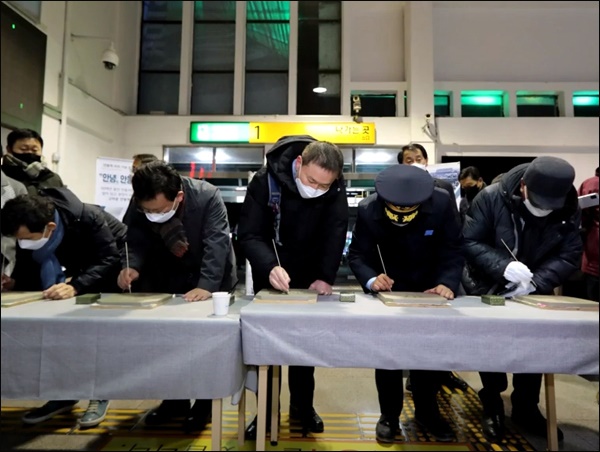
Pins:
<point x="546" y="202"/>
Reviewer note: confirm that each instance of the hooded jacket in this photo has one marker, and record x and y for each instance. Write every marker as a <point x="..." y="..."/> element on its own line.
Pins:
<point x="551" y="246"/>
<point x="88" y="250"/>
<point x="312" y="232"/>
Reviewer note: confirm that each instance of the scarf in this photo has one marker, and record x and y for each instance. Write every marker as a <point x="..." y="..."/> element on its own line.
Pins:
<point x="50" y="269"/>
<point x="172" y="233"/>
<point x="8" y="193"/>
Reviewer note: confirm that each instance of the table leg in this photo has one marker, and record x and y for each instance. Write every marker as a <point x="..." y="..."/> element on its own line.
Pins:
<point x="551" y="412"/>
<point x="275" y="405"/>
<point x="217" y="414"/>
<point x="261" y="409"/>
<point x="242" y="419"/>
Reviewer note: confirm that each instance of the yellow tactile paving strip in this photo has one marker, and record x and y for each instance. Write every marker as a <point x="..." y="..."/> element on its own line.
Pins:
<point x="124" y="430"/>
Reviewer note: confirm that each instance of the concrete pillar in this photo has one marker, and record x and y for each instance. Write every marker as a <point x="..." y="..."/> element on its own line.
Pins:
<point x="418" y="22"/>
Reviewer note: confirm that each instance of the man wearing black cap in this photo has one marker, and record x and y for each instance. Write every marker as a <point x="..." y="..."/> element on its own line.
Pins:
<point x="414" y="225"/>
<point x="534" y="210"/>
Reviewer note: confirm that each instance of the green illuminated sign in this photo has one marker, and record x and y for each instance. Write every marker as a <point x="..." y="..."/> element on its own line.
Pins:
<point x="585" y="100"/>
<point x="219" y="132"/>
<point x="441" y="100"/>
<point x="481" y="100"/>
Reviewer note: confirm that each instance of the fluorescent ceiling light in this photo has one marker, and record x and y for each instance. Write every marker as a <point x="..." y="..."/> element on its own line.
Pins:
<point x="319" y="89"/>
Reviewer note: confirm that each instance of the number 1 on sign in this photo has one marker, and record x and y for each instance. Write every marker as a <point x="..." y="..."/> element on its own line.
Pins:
<point x="257" y="132"/>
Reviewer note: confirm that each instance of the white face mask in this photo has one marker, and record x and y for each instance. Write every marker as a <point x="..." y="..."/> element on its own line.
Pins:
<point x="536" y="211"/>
<point x="419" y="165"/>
<point x="308" y="192"/>
<point x="162" y="217"/>
<point x="33" y="245"/>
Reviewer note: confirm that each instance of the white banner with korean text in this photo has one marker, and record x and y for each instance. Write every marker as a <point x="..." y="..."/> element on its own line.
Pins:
<point x="113" y="185"/>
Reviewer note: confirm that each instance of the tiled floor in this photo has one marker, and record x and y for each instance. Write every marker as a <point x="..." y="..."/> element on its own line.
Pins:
<point x="347" y="400"/>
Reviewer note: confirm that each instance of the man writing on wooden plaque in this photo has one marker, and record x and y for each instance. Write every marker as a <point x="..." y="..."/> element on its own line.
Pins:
<point x="534" y="212"/>
<point x="407" y="238"/>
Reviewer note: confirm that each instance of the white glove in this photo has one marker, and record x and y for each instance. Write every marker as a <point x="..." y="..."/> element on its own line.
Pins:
<point x="521" y="289"/>
<point x="517" y="272"/>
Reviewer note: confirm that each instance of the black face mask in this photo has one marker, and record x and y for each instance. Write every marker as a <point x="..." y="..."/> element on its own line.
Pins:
<point x="470" y="192"/>
<point x="28" y="158"/>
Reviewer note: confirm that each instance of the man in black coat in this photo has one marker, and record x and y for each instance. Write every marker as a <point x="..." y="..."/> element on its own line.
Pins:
<point x="534" y="210"/>
<point x="414" y="227"/>
<point x="298" y="202"/>
<point x="23" y="161"/>
<point x="65" y="248"/>
<point x="178" y="242"/>
<point x="83" y="243"/>
<point x="471" y="183"/>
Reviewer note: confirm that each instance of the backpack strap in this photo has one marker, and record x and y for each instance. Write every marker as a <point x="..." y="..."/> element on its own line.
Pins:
<point x="275" y="204"/>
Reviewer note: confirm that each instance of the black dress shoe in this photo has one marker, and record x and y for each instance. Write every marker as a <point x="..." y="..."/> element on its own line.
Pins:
<point x="385" y="431"/>
<point x="166" y="411"/>
<point x="453" y="382"/>
<point x="492" y="427"/>
<point x="250" y="433"/>
<point x="436" y="426"/>
<point x="533" y="422"/>
<point x="198" y="417"/>
<point x="253" y="428"/>
<point x="310" y="420"/>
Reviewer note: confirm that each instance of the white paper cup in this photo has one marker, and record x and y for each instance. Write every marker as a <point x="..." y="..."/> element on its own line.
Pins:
<point x="220" y="303"/>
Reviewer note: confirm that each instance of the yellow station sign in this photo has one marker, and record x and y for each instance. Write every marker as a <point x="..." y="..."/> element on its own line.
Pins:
<point x="334" y="132"/>
<point x="270" y="132"/>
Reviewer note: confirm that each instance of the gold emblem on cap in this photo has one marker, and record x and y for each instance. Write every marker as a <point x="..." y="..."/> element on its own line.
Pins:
<point x="392" y="216"/>
<point x="409" y="218"/>
<point x="396" y="217"/>
<point x="401" y="209"/>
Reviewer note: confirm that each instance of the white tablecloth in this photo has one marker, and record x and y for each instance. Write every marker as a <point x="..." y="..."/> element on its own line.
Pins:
<point x="54" y="350"/>
<point x="469" y="336"/>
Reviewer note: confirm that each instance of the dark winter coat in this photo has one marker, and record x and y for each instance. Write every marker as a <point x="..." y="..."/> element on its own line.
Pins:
<point x="312" y="232"/>
<point x="88" y="250"/>
<point x="425" y="253"/>
<point x="551" y="246"/>
<point x="209" y="262"/>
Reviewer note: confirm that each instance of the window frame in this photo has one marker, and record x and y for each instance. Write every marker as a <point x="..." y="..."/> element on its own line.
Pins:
<point x="141" y="71"/>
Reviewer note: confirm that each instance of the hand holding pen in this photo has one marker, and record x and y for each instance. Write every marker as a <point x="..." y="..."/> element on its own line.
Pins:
<point x="278" y="277"/>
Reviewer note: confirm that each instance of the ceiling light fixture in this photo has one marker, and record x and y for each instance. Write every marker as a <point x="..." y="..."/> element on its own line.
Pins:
<point x="320" y="90"/>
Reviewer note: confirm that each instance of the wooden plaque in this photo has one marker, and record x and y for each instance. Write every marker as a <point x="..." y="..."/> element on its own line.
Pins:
<point x="133" y="300"/>
<point x="294" y="296"/>
<point x="15" y="298"/>
<point x="412" y="299"/>
<point x="557" y="302"/>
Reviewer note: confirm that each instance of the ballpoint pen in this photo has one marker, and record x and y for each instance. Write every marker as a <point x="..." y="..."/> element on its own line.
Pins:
<point x="382" y="264"/>
<point x="278" y="261"/>
<point x="127" y="259"/>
